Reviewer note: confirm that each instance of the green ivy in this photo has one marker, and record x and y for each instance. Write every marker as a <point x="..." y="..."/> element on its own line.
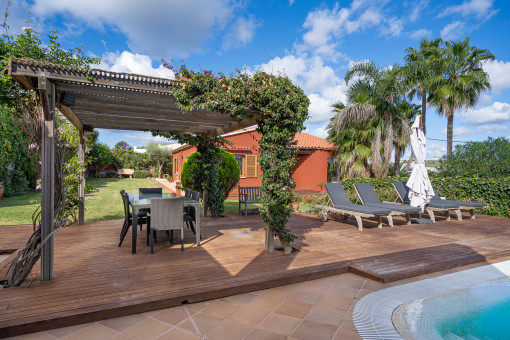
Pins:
<point x="284" y="107"/>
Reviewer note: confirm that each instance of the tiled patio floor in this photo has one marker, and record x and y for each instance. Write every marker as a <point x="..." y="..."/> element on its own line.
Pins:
<point x="318" y="309"/>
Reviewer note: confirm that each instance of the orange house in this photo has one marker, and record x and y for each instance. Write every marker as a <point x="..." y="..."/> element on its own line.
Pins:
<point x="314" y="164"/>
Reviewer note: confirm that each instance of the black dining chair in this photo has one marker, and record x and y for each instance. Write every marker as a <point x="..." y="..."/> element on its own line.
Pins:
<point x="145" y="191"/>
<point x="128" y="217"/>
<point x="190" y="212"/>
<point x="187" y="193"/>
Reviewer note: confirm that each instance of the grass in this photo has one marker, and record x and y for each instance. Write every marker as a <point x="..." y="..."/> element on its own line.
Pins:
<point x="103" y="203"/>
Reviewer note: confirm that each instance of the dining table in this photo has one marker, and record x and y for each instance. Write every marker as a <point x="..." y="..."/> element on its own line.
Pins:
<point x="143" y="202"/>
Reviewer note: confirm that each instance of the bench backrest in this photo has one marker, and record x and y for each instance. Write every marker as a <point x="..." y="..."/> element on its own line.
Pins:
<point x="337" y="193"/>
<point x="249" y="193"/>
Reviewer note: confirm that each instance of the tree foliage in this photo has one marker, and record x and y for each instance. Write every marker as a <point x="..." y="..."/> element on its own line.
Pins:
<point x="284" y="107"/>
<point x="229" y="172"/>
<point x="16" y="170"/>
<point x="489" y="158"/>
<point x="122" y="145"/>
<point x="158" y="156"/>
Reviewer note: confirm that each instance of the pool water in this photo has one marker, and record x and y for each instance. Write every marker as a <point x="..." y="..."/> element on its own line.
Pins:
<point x="479" y="312"/>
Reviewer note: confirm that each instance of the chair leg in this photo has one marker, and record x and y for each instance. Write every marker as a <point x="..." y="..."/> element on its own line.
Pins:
<point x="152" y="243"/>
<point x="245" y="208"/>
<point x="123" y="234"/>
<point x="171" y="236"/>
<point x="182" y="239"/>
<point x="360" y="223"/>
<point x="148" y="234"/>
<point x="192" y="227"/>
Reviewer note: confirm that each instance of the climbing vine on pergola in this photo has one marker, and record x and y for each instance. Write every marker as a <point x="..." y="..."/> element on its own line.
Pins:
<point x="284" y="107"/>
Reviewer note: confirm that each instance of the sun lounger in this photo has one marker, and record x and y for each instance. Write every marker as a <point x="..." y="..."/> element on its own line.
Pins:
<point x="433" y="205"/>
<point x="463" y="205"/>
<point x="369" y="197"/>
<point x="343" y="205"/>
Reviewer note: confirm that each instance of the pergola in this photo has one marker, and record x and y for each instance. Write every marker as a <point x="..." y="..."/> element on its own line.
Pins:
<point x="103" y="99"/>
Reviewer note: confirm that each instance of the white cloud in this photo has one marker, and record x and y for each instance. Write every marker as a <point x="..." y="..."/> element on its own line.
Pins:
<point x="133" y="138"/>
<point x="499" y="74"/>
<point x="420" y="34"/>
<point x="418" y="9"/>
<point x="392" y="27"/>
<point x="319" y="132"/>
<point x="133" y="63"/>
<point x="453" y="30"/>
<point x="491" y="128"/>
<point x="241" y="32"/>
<point x="459" y="132"/>
<point x="160" y="28"/>
<point x="496" y="113"/>
<point x="435" y="151"/>
<point x="478" y="8"/>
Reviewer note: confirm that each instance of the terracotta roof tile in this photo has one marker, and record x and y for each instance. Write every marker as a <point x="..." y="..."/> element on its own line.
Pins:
<point x="306" y="141"/>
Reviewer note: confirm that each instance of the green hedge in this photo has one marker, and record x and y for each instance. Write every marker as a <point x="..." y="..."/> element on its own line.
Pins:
<point x="142" y="174"/>
<point x="495" y="193"/>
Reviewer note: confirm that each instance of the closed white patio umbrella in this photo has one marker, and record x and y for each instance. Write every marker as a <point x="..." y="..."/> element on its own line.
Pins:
<point x="420" y="188"/>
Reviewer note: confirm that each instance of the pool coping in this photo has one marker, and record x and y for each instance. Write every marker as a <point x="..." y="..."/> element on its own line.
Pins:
<point x="373" y="313"/>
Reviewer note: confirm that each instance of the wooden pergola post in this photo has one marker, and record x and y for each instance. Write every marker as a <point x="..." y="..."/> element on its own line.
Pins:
<point x="47" y="95"/>
<point x="81" y="181"/>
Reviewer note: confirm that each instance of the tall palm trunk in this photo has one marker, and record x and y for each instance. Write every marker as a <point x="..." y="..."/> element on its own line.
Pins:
<point x="449" y="134"/>
<point x="398" y="151"/>
<point x="388" y="145"/>
<point x="375" y="157"/>
<point x="424" y="111"/>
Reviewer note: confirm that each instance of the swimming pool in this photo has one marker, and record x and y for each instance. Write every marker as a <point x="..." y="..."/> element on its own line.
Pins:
<point x="470" y="304"/>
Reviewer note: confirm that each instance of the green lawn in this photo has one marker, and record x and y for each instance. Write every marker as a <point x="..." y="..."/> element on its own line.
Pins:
<point x="104" y="203"/>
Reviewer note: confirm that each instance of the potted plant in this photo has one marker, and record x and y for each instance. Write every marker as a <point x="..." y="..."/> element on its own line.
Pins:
<point x="296" y="201"/>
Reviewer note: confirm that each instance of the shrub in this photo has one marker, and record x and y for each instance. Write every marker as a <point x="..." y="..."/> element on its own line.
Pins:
<point x="110" y="174"/>
<point x="489" y="158"/>
<point x="142" y="174"/>
<point x="229" y="172"/>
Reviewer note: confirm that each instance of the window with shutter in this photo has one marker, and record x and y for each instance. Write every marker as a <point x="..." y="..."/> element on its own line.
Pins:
<point x="251" y="166"/>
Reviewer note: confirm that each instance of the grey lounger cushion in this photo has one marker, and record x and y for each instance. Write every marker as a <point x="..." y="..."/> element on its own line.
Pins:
<point x="403" y="192"/>
<point x="340" y="200"/>
<point x="461" y="203"/>
<point x="369" y="197"/>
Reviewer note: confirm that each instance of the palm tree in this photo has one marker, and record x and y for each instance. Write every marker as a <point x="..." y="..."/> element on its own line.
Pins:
<point x="382" y="87"/>
<point x="402" y="129"/>
<point x="460" y="82"/>
<point x="352" y="130"/>
<point x="420" y="67"/>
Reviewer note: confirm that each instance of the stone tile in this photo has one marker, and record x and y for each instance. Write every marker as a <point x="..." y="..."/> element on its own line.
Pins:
<point x="65" y="331"/>
<point x="312" y="330"/>
<point x="347" y="292"/>
<point x="293" y="286"/>
<point x="316" y="287"/>
<point x="34" y="336"/>
<point x="374" y="285"/>
<point x="263" y="303"/>
<point x="204" y="323"/>
<point x="259" y="334"/>
<point x="229" y="330"/>
<point x="293" y="308"/>
<point x="221" y="309"/>
<point x="348" y="324"/>
<point x="362" y="292"/>
<point x="151" y="313"/>
<point x="305" y="297"/>
<point x="279" y="323"/>
<point x="348" y="315"/>
<point x="148" y="329"/>
<point x="179" y="334"/>
<point x="346" y="334"/>
<point x="335" y="301"/>
<point x="120" y="336"/>
<point x="172" y="316"/>
<point x="241" y="299"/>
<point x="123" y="322"/>
<point x="248" y="315"/>
<point x="325" y="315"/>
<point x="94" y="331"/>
<point x="351" y="282"/>
<point x="198" y="306"/>
<point x="277" y="293"/>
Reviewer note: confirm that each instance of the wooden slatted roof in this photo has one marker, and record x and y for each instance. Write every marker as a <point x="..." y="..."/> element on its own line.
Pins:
<point x="121" y="100"/>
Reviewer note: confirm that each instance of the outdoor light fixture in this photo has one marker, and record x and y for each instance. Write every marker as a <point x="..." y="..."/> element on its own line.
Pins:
<point x="68" y="99"/>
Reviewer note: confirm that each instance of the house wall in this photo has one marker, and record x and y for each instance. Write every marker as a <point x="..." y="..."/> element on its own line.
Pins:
<point x="310" y="170"/>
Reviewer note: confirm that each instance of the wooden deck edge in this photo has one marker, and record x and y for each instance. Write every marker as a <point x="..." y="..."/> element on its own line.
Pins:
<point x="113" y="312"/>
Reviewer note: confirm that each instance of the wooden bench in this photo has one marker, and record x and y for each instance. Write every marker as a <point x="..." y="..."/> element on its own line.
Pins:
<point x="248" y="195"/>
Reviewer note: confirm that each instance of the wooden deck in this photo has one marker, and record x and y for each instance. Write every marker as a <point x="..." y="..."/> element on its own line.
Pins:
<point x="95" y="279"/>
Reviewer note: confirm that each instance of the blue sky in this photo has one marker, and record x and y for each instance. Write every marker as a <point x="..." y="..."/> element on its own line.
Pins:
<point x="313" y="43"/>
